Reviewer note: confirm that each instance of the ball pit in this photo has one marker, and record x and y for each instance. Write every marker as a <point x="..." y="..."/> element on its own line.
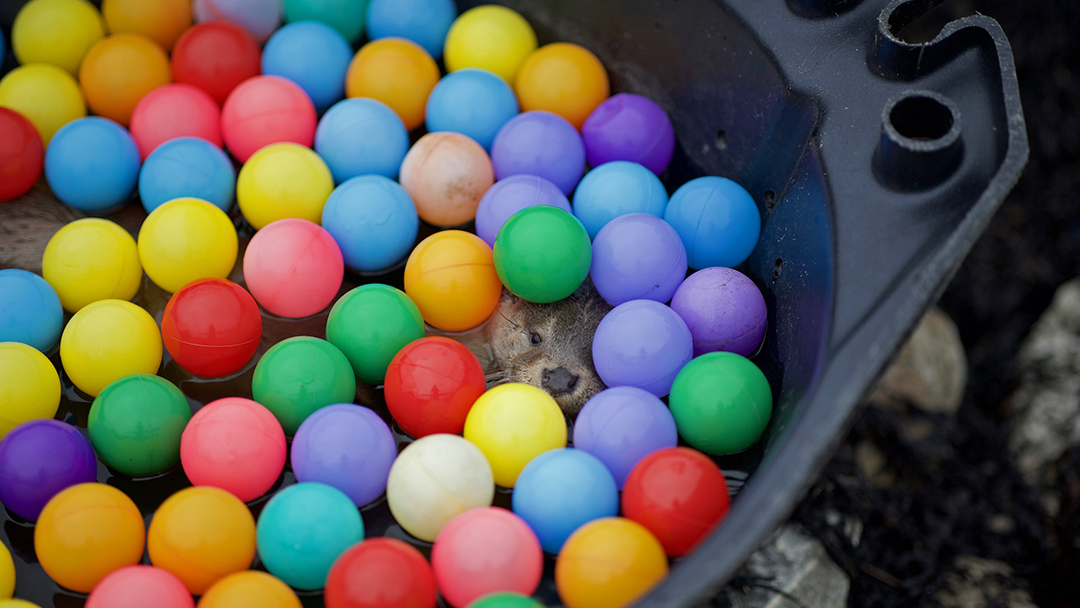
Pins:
<point x="373" y="221"/>
<point x="431" y="385"/>
<point x="46" y="95"/>
<point x="265" y="110"/>
<point x="211" y="327"/>
<point x="562" y="78"/>
<point x="38" y="460"/>
<point x="187" y="167"/>
<point x="283" y="180"/>
<point x="163" y="21"/>
<point x="314" y="56"/>
<point x="425" y="22"/>
<point x="542" y="254"/>
<point x="641" y="343"/>
<point x="615" y="189"/>
<point x="139" y="586"/>
<point x="724" y="310"/>
<point x="637" y="256"/>
<point x="381" y="573"/>
<point x="56" y="32"/>
<point x="184" y="240"/>
<point x="609" y="563"/>
<point x="510" y="195"/>
<point x="451" y="277"/>
<point x="346" y="16"/>
<point x="506" y="599"/>
<point x="216" y="56"/>
<point x="108" y="340"/>
<point x="30" y="310"/>
<point x="250" y="589"/>
<point x="717" y="219"/>
<point x="175" y="110"/>
<point x="258" y="17"/>
<point x="446" y="174"/>
<point x="370" y="324"/>
<point x="119" y="71"/>
<point x="293" y="268"/>
<point x="632" y="128"/>
<point x="300" y="375"/>
<point x="22" y="155"/>
<point x="397" y="72"/>
<point x="90" y="260"/>
<point x="473" y="102"/>
<point x="360" y="137"/>
<point x="92" y="164"/>
<point x="29" y="386"/>
<point x="7" y="572"/>
<point x="489" y="37"/>
<point x="539" y="143"/>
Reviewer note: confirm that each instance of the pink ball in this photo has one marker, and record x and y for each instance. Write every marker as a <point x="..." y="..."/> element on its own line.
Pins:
<point x="485" y="550"/>
<point x="234" y="444"/>
<point x="175" y="110"/>
<point x="294" y="268"/>
<point x="265" y="110"/>
<point x="140" y="586"/>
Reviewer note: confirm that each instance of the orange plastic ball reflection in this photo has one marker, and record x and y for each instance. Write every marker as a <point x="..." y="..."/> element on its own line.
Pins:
<point x="161" y="20"/>
<point x="119" y="71"/>
<point x="451" y="277"/>
<point x="250" y="589"/>
<point x="562" y="78"/>
<point x="446" y="174"/>
<point x="608" y="563"/>
<point x="397" y="72"/>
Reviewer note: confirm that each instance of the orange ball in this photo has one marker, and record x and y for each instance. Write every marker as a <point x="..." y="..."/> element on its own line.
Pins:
<point x="451" y="278"/>
<point x="446" y="174"/>
<point x="161" y="20"/>
<point x="562" y="78"/>
<point x="119" y="71"/>
<point x="397" y="72"/>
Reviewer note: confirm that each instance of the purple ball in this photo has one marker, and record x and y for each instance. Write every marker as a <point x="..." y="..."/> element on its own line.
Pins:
<point x="510" y="195"/>
<point x="629" y="127"/>
<point x="641" y="343"/>
<point x="622" y="425"/>
<point x="724" y="310"/>
<point x="637" y="256"/>
<point x="540" y="143"/>
<point x="345" y="446"/>
<point x="40" y="458"/>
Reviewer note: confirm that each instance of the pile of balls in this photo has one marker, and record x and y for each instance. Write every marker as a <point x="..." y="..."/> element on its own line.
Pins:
<point x="330" y="183"/>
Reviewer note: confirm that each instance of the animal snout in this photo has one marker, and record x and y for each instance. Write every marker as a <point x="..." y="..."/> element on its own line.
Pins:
<point x="558" y="381"/>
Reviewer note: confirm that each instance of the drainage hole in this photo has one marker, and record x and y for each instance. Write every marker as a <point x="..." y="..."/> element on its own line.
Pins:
<point x="769" y="197"/>
<point x="777" y="266"/>
<point x="721" y="140"/>
<point x="921" y="118"/>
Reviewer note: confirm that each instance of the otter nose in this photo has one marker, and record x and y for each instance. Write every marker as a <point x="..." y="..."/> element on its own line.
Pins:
<point x="559" y="381"/>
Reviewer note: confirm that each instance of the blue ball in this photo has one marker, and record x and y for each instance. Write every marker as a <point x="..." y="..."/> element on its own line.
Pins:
<point x="187" y="166"/>
<point x="717" y="221"/>
<point x="303" y="529"/>
<point x="314" y="56"/>
<point x="560" y="491"/>
<point x="361" y="136"/>
<point x="92" y="164"/>
<point x="373" y="220"/>
<point x="30" y="310"/>
<point x="472" y="102"/>
<point x="617" y="188"/>
<point x="425" y="22"/>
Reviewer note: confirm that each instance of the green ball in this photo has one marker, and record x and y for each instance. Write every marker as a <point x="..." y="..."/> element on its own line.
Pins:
<point x="505" y="599"/>
<point x="542" y="254"/>
<point x="135" y="424"/>
<point x="370" y="324"/>
<point x="300" y="375"/>
<point x="721" y="402"/>
<point x="345" y="16"/>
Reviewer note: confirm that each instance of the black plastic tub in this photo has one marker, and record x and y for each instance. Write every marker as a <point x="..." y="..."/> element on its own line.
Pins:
<point x="875" y="164"/>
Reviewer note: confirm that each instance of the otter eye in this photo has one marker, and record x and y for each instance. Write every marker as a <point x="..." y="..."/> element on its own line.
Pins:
<point x="535" y="339"/>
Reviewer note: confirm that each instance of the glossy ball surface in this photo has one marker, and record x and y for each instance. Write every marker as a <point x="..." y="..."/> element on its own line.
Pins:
<point x="39" y="459"/>
<point x="446" y="174"/>
<point x="211" y="327"/>
<point x="216" y="56"/>
<point x="510" y="195"/>
<point x="22" y="155"/>
<point x="347" y="447"/>
<point x="637" y="256"/>
<point x="615" y="189"/>
<point x="135" y="424"/>
<point x="46" y="95"/>
<point x="175" y="110"/>
<point x="119" y="71"/>
<point x="473" y="102"/>
<point x="717" y="219"/>
<point x="425" y="22"/>
<point x="293" y="267"/>
<point x="89" y="260"/>
<point x="629" y="127"/>
<point x="373" y="221"/>
<point x="542" y="254"/>
<point x="30" y="310"/>
<point x="7" y="568"/>
<point x="359" y="137"/>
<point x="56" y="32"/>
<point x="300" y="375"/>
<point x="381" y="573"/>
<point x="266" y="110"/>
<point x="187" y="167"/>
<point x="370" y="324"/>
<point x="721" y="403"/>
<point x="138" y="586"/>
<point x="314" y="56"/>
<point x="451" y="277"/>
<point x="250" y="589"/>
<point x="163" y="21"/>
<point x="539" y="143"/>
<point x="29" y="386"/>
<point x="283" y="180"/>
<point x="397" y="72"/>
<point x="258" y="17"/>
<point x="506" y="599"/>
<point x="724" y="310"/>
<point x="563" y="78"/>
<point x="609" y="563"/>
<point x="184" y="240"/>
<point x="346" y="16"/>
<point x="489" y="37"/>
<point x="108" y="340"/>
<point x="92" y="164"/>
<point x="431" y="384"/>
<point x="641" y="343"/>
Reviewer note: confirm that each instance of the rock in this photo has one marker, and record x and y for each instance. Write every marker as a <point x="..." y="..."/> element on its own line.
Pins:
<point x="981" y="583"/>
<point x="930" y="371"/>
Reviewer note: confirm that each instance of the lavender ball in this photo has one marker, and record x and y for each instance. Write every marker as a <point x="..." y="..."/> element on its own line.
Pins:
<point x="724" y="310"/>
<point x="510" y="195"/>
<point x="540" y="143"/>
<point x="629" y="127"/>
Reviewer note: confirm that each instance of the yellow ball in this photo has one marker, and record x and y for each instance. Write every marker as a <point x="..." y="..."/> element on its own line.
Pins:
<point x="29" y="390"/>
<point x="451" y="277"/>
<point x="562" y="78"/>
<point x="397" y="72"/>
<point x="283" y="180"/>
<point x="490" y="37"/>
<point x="609" y="563"/>
<point x="7" y="574"/>
<point x="108" y="340"/>
<point x="187" y="239"/>
<point x="162" y="20"/>
<point x="46" y="95"/>
<point x="89" y="260"/>
<point x="512" y="424"/>
<point x="58" y="32"/>
<point x="250" y="589"/>
<point x="14" y="603"/>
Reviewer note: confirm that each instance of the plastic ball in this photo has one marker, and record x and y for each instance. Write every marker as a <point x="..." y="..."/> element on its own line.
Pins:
<point x="266" y="110"/>
<point x="629" y="127"/>
<point x="17" y="603"/>
<point x="56" y="32"/>
<point x="314" y="56"/>
<point x="360" y="137"/>
<point x="259" y="17"/>
<point x="234" y="444"/>
<point x="609" y="563"/>
<point x="119" y="71"/>
<point x="30" y="310"/>
<point x="563" y="78"/>
<point x="211" y="327"/>
<point x="201" y="535"/>
<point x="172" y="111"/>
<point x="136" y="422"/>
<point x="22" y="155"/>
<point x="283" y="180"/>
<point x="346" y="16"/>
<point x="87" y="531"/>
<point x="162" y="21"/>
<point x="637" y="256"/>
<point x="431" y="384"/>
<point x="187" y="167"/>
<point x="451" y="277"/>
<point x="293" y="268"/>
<point x="724" y="310"/>
<point x="425" y="22"/>
<point x="463" y="481"/>
<point x="347" y="447"/>
<point x="542" y="254"/>
<point x="721" y="403"/>
<point x="472" y="102"/>
<point x="370" y="324"/>
<point x="641" y="343"/>
<point x="46" y="95"/>
<point x="250" y="589"/>
<point x="216" y="56"/>
<point x="138" y="586"/>
<point x="92" y="164"/>
<point x="510" y="195"/>
<point x="397" y="72"/>
<point x="89" y="260"/>
<point x="300" y="375"/>
<point x="615" y="189"/>
<point x="7" y="573"/>
<point x="29" y="386"/>
<point x="539" y="143"/>
<point x="184" y="240"/>
<point x="40" y="458"/>
<point x="489" y="37"/>
<point x="717" y="220"/>
<point x="373" y="221"/>
<point x="446" y="174"/>
<point x="302" y="531"/>
<point x="108" y="340"/>
<point x="560" y="491"/>
<point x="381" y="573"/>
<point x="483" y="551"/>
<point x="505" y="599"/>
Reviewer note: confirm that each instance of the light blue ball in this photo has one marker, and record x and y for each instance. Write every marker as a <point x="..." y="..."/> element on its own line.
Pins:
<point x="361" y="136"/>
<point x="562" y="490"/>
<point x="717" y="221"/>
<point x="187" y="166"/>
<point x="92" y="164"/>
<point x="373" y="220"/>
<point x="30" y="310"/>
<point x="617" y="188"/>
<point x="425" y="22"/>
<point x="314" y="56"/>
<point x="472" y="102"/>
<point x="303" y="529"/>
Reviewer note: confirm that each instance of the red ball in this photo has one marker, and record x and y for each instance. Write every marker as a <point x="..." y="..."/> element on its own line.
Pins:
<point x="21" y="155"/>
<point x="266" y="110"/>
<point x="211" y="327"/>
<point x="216" y="56"/>
<point x="294" y="268"/>
<point x="380" y="573"/>
<point x="175" y="110"/>
<point x="679" y="494"/>
<point x="431" y="385"/>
